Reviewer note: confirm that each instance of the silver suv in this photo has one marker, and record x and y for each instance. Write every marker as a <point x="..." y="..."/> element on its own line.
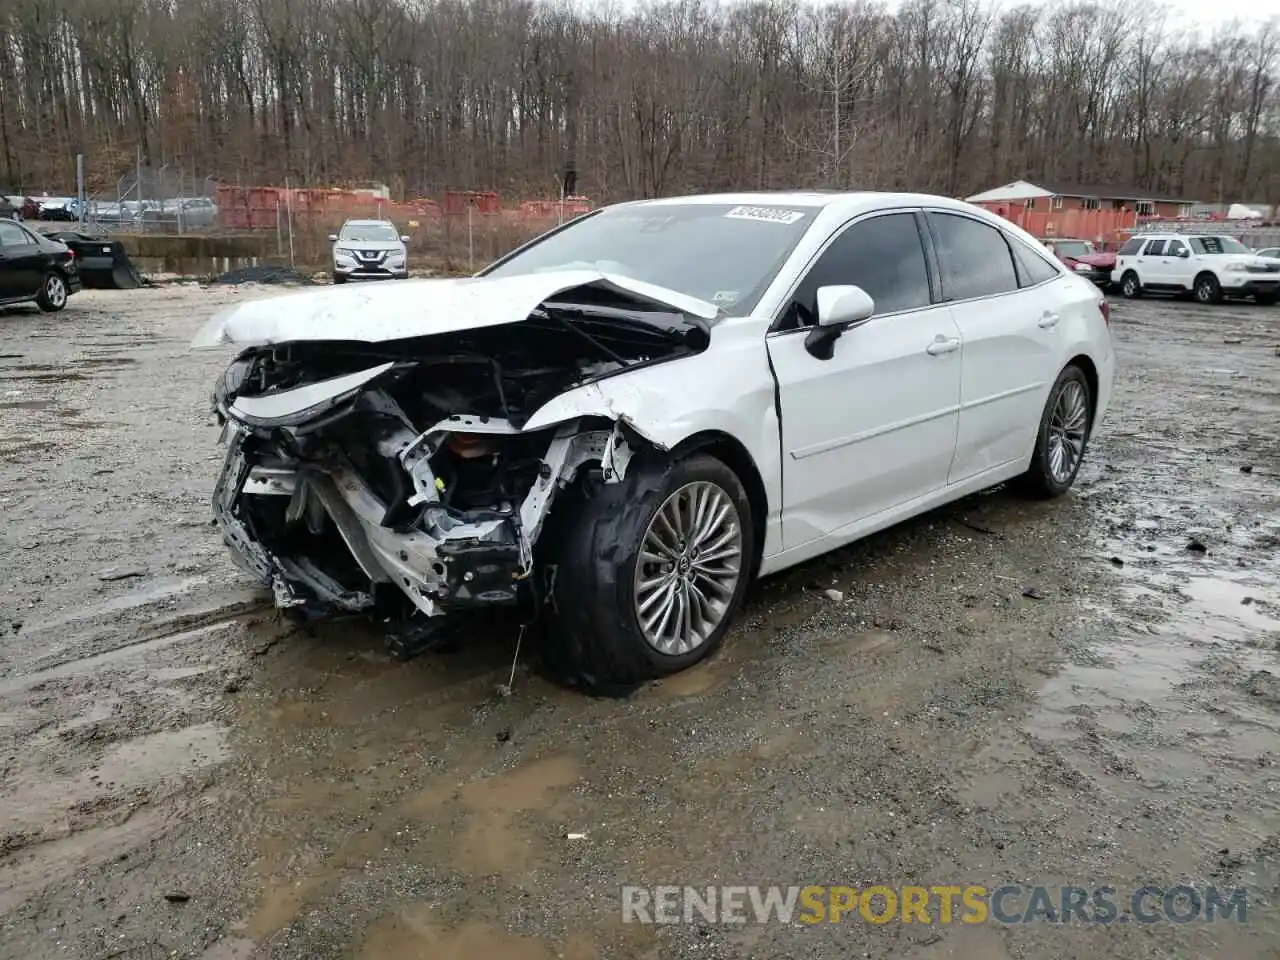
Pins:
<point x="369" y="250"/>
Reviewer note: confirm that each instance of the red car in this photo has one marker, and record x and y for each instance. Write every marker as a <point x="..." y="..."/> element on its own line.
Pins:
<point x="1085" y="259"/>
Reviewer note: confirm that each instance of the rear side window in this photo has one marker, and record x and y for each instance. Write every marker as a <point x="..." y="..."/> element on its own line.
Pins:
<point x="1032" y="267"/>
<point x="1131" y="246"/>
<point x="975" y="260"/>
<point x="12" y="235"/>
<point x="1154" y="249"/>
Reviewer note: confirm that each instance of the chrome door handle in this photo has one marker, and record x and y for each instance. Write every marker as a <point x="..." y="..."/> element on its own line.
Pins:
<point x="942" y="345"/>
<point x="1049" y="320"/>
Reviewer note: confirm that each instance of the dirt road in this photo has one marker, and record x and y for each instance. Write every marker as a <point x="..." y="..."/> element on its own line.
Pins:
<point x="1008" y="692"/>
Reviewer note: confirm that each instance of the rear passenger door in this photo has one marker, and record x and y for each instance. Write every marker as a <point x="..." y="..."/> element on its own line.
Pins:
<point x="995" y="287"/>
<point x="19" y="262"/>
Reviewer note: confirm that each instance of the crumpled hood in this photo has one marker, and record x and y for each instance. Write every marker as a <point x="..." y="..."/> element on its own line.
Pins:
<point x="1102" y="258"/>
<point x="416" y="308"/>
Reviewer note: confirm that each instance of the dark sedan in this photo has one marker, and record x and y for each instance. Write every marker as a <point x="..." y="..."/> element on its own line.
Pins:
<point x="35" y="269"/>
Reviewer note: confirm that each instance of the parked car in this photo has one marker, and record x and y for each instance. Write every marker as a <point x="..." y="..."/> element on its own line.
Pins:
<point x="9" y="210"/>
<point x="369" y="250"/>
<point x="1085" y="259"/>
<point x="1206" y="266"/>
<point x="1269" y="252"/>
<point x="626" y="420"/>
<point x="35" y="269"/>
<point x="63" y="209"/>
<point x="27" y="208"/>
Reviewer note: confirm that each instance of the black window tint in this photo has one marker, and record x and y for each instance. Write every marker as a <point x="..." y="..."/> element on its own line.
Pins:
<point x="1154" y="248"/>
<point x="974" y="258"/>
<point x="882" y="255"/>
<point x="1032" y="267"/>
<point x="1131" y="246"/>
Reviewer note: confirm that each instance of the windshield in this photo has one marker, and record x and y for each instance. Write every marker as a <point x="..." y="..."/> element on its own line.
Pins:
<point x="1217" y="245"/>
<point x="369" y="231"/>
<point x="726" y="254"/>
<point x="1073" y="248"/>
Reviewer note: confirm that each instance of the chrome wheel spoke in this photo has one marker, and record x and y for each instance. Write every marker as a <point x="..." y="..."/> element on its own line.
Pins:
<point x="1067" y="427"/>
<point x="689" y="568"/>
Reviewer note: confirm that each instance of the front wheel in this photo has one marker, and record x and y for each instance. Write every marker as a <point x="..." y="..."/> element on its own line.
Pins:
<point x="1130" y="286"/>
<point x="1062" y="436"/>
<point x="53" y="294"/>
<point x="339" y="278"/>
<point x="647" y="573"/>
<point x="1207" y="289"/>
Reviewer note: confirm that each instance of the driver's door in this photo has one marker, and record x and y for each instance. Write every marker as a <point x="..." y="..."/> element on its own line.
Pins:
<point x="874" y="426"/>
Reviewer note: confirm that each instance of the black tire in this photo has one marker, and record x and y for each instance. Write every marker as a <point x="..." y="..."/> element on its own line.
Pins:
<point x="1130" y="286"/>
<point x="339" y="278"/>
<point x="1265" y="299"/>
<point x="1206" y="289"/>
<point x="594" y="640"/>
<point x="53" y="293"/>
<point x="1040" y="479"/>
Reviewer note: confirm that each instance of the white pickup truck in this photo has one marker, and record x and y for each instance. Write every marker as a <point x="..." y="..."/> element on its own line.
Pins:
<point x="1207" y="266"/>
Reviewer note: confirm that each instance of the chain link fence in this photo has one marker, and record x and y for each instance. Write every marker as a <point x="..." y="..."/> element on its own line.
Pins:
<point x="147" y="199"/>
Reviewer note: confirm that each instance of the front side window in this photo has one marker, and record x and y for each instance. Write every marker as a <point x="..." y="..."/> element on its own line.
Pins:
<point x="1217" y="245"/>
<point x="726" y="254"/>
<point x="368" y="231"/>
<point x="974" y="258"/>
<point x="883" y="255"/>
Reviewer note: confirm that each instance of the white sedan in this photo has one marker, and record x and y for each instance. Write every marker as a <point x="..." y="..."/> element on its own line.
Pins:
<point x="622" y="423"/>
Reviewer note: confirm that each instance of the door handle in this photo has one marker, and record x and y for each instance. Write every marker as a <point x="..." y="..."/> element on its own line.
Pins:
<point x="1049" y="320"/>
<point x="942" y="345"/>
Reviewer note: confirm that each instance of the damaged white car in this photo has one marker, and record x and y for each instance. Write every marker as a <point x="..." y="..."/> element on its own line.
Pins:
<point x="625" y="421"/>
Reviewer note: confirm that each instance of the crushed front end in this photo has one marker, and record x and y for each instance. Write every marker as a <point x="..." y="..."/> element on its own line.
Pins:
<point x="395" y="478"/>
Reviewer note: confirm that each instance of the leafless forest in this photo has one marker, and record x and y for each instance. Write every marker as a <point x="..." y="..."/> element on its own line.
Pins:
<point x="944" y="95"/>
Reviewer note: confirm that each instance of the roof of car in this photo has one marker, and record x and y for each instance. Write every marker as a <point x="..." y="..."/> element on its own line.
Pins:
<point x="1180" y="236"/>
<point x="365" y="223"/>
<point x="830" y="202"/>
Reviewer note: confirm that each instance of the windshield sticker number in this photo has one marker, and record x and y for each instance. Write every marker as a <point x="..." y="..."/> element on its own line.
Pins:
<point x="765" y="214"/>
<point x="725" y="296"/>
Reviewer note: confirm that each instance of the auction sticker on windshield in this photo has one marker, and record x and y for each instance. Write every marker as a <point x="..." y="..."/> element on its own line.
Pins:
<point x="767" y="214"/>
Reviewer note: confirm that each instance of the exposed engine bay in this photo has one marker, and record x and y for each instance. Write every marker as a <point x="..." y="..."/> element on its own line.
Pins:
<point x="396" y="475"/>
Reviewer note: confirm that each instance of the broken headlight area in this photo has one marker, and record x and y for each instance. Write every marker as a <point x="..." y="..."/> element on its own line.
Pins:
<point x="395" y="477"/>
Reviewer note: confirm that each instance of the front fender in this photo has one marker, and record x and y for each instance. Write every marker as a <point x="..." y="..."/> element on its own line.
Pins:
<point x="727" y="389"/>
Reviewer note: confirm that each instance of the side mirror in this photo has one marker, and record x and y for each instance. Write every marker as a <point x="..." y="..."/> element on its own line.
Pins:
<point x="405" y="238"/>
<point x="333" y="238"/>
<point x="1184" y="253"/>
<point x="839" y="307"/>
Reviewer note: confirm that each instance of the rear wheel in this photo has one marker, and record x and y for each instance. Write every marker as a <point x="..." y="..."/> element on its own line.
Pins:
<point x="1207" y="289"/>
<point x="647" y="573"/>
<point x="1130" y="286"/>
<point x="1064" y="431"/>
<point x="53" y="293"/>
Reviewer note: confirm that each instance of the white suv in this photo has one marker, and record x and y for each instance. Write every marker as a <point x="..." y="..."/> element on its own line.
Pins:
<point x="369" y="250"/>
<point x="1207" y="266"/>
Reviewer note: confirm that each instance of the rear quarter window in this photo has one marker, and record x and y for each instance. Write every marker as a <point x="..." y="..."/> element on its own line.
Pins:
<point x="1131" y="246"/>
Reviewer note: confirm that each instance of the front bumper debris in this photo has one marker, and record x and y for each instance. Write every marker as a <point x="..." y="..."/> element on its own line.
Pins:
<point x="439" y="562"/>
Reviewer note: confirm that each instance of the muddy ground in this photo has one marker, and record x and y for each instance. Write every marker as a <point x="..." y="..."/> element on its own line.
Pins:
<point x="1056" y="693"/>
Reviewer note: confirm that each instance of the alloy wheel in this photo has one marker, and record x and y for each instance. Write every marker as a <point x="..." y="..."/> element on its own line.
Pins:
<point x="55" y="291"/>
<point x="1067" y="426"/>
<point x="689" y="566"/>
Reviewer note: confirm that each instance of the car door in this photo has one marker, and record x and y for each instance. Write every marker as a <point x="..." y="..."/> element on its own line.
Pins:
<point x="1176" y="268"/>
<point x="873" y="426"/>
<point x="19" y="262"/>
<point x="1006" y="317"/>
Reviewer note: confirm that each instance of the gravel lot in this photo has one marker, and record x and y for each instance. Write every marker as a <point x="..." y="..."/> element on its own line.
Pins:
<point x="1057" y="693"/>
